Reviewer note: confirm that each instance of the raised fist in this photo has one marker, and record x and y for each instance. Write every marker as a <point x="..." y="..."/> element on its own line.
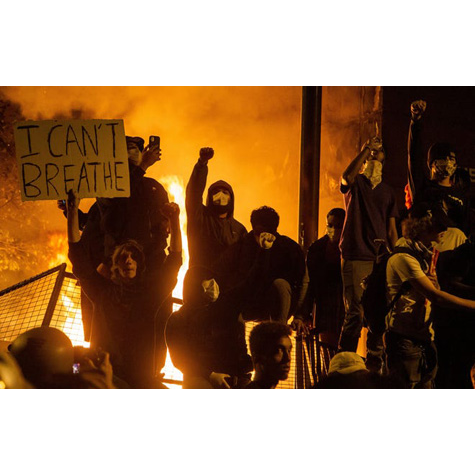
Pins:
<point x="374" y="144"/>
<point x="170" y="210"/>
<point x="266" y="240"/>
<point x="417" y="109"/>
<point x="206" y="154"/>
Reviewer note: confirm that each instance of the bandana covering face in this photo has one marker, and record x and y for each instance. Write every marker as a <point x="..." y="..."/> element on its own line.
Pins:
<point x="445" y="167"/>
<point x="374" y="172"/>
<point x="211" y="289"/>
<point x="221" y="199"/>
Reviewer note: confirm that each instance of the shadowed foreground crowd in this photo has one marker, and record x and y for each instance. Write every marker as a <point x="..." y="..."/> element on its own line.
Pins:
<point x="408" y="277"/>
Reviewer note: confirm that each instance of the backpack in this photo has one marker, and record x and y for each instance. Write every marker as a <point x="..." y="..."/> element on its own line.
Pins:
<point x="373" y="300"/>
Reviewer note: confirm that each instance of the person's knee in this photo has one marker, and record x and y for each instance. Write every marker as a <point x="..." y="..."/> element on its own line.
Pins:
<point x="282" y="287"/>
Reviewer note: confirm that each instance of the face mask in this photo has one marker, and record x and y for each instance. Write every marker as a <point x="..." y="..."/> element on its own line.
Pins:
<point x="211" y="290"/>
<point x="221" y="199"/>
<point x="445" y="167"/>
<point x="330" y="232"/>
<point x="135" y="156"/>
<point x="374" y="172"/>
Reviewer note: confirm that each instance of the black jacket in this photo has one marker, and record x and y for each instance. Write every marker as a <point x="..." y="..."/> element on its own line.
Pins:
<point x="124" y="316"/>
<point x="208" y="235"/>
<point x="286" y="261"/>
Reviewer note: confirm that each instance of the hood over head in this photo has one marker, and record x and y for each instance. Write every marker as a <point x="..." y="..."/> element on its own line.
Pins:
<point x="211" y="191"/>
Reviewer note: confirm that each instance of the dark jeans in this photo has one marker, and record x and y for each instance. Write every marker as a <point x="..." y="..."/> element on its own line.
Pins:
<point x="414" y="362"/>
<point x="353" y="273"/>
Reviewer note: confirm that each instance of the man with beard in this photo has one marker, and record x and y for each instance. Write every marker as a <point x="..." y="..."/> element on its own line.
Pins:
<point x="369" y="229"/>
<point x="211" y="227"/>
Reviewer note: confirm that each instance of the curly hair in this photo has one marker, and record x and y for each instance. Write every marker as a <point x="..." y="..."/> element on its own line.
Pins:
<point x="265" y="336"/>
<point x="422" y="220"/>
<point x="137" y="254"/>
<point x="266" y="217"/>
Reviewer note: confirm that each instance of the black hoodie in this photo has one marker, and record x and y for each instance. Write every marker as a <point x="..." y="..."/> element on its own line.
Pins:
<point x="208" y="234"/>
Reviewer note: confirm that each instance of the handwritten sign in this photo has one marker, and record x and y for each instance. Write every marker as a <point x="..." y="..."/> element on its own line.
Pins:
<point x="88" y="156"/>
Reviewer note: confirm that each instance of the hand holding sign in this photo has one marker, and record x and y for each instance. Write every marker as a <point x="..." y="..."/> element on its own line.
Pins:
<point x="89" y="156"/>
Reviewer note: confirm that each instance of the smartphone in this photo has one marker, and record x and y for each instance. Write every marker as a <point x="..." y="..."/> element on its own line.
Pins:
<point x="154" y="140"/>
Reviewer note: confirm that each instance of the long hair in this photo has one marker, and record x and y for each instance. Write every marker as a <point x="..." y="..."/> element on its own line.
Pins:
<point x="137" y="254"/>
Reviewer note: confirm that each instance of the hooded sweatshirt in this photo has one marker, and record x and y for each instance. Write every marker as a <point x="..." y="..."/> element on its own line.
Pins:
<point x="208" y="234"/>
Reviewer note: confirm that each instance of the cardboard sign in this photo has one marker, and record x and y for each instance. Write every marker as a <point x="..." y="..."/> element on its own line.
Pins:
<point x="88" y="156"/>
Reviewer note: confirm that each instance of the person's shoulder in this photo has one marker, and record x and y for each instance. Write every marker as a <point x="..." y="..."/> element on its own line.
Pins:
<point x="289" y="243"/>
<point x="404" y="260"/>
<point x="318" y="244"/>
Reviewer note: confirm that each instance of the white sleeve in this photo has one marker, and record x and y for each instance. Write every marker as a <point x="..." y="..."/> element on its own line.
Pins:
<point x="405" y="266"/>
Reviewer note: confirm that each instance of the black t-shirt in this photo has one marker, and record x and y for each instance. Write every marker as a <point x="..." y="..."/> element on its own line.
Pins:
<point x="367" y="216"/>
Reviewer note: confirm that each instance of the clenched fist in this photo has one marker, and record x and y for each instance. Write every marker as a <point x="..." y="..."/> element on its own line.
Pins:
<point x="206" y="153"/>
<point x="417" y="109"/>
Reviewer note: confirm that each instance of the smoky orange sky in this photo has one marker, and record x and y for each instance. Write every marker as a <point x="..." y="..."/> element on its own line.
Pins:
<point x="255" y="132"/>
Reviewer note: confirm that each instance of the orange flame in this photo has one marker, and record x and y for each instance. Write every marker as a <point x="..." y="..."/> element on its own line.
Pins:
<point x="176" y="191"/>
<point x="73" y="319"/>
<point x="58" y="248"/>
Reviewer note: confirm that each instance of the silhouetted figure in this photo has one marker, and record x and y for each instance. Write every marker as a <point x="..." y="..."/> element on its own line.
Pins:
<point x="137" y="217"/>
<point x="410" y="350"/>
<point x="206" y="336"/>
<point x="437" y="180"/>
<point x="325" y="290"/>
<point x="45" y="356"/>
<point x="126" y="305"/>
<point x="211" y="228"/>
<point x="455" y="330"/>
<point x="282" y="290"/>
<point x="371" y="213"/>
<point x="271" y="351"/>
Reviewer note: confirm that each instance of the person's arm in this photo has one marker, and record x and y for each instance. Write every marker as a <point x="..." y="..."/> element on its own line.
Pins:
<point x="416" y="166"/>
<point x="424" y="286"/>
<point x="166" y="275"/>
<point x="352" y="170"/>
<point x="73" y="217"/>
<point x="392" y="233"/>
<point x="151" y="155"/>
<point x="172" y="212"/>
<point x="90" y="280"/>
<point x="197" y="183"/>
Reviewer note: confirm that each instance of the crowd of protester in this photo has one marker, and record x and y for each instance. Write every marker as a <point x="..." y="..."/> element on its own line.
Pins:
<point x="408" y="276"/>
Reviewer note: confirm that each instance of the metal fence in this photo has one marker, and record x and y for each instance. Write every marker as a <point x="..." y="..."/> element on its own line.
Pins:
<point x="53" y="298"/>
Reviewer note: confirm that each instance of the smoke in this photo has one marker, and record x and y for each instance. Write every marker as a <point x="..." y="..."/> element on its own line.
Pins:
<point x="255" y="132"/>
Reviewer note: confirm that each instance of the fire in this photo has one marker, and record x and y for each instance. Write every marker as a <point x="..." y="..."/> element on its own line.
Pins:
<point x="74" y="319"/>
<point x="176" y="191"/>
<point x="58" y="247"/>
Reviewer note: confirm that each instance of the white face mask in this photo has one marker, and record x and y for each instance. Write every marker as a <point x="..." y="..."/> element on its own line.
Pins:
<point x="221" y="199"/>
<point x="374" y="172"/>
<point x="445" y="167"/>
<point x="330" y="232"/>
<point x="211" y="289"/>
